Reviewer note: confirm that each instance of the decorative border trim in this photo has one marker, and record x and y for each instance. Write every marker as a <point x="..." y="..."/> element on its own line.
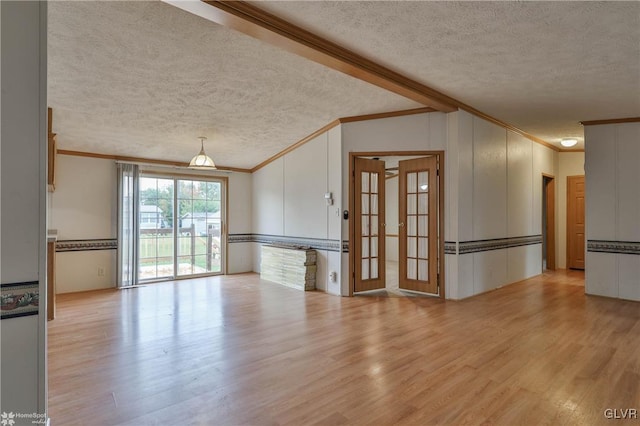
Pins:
<point x="19" y="299"/>
<point x="84" y="245"/>
<point x="497" y="243"/>
<point x="450" y="247"/>
<point x="622" y="247"/>
<point x="312" y="243"/>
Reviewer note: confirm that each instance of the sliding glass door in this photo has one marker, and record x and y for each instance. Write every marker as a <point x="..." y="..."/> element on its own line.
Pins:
<point x="181" y="227"/>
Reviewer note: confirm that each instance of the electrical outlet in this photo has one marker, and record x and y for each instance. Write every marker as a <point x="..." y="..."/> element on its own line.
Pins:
<point x="101" y="271"/>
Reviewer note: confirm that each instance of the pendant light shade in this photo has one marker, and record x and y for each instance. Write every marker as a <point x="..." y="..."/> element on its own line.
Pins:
<point x="202" y="161"/>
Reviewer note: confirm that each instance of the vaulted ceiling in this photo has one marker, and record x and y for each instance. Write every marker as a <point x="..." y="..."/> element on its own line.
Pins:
<point x="146" y="79"/>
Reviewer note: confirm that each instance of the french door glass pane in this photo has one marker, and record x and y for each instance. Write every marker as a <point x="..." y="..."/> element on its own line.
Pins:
<point x="411" y="204"/>
<point x="423" y="203"/>
<point x="411" y="269"/>
<point x="365" y="269"/>
<point x="365" y="204"/>
<point x="411" y="182"/>
<point x="365" y="182"/>
<point x="374" y="183"/>
<point x="411" y="226"/>
<point x="374" y="268"/>
<point x="423" y="248"/>
<point x="423" y="270"/>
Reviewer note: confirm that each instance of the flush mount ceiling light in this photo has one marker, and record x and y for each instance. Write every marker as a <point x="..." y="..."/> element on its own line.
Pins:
<point x="202" y="161"/>
<point x="568" y="142"/>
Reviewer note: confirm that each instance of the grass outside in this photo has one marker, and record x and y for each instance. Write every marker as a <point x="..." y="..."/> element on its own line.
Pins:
<point x="157" y="250"/>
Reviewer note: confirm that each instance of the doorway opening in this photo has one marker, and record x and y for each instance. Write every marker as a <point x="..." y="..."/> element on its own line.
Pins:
<point x="396" y="226"/>
<point x="548" y="223"/>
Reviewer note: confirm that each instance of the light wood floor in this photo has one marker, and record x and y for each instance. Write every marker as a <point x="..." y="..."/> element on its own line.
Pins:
<point x="234" y="350"/>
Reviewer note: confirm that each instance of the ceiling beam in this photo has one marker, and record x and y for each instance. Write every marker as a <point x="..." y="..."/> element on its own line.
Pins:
<point x="257" y="23"/>
<point x="611" y="121"/>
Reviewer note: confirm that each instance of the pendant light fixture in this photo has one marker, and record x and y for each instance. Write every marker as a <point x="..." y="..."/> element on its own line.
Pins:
<point x="202" y="161"/>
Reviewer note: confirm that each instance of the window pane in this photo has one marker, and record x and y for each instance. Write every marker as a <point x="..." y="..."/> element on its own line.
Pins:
<point x="200" y="265"/>
<point x="423" y="248"/>
<point x="365" y="182"/>
<point x="374" y="246"/>
<point x="374" y="268"/>
<point x="423" y="225"/>
<point x="365" y="203"/>
<point x="365" y="225"/>
<point x="411" y="226"/>
<point x="411" y="269"/>
<point x="374" y="225"/>
<point x="184" y="245"/>
<point x="411" y="204"/>
<point x="365" y="269"/>
<point x="185" y="265"/>
<point x="374" y="203"/>
<point x="423" y="181"/>
<point x="164" y="266"/>
<point x="185" y="189"/>
<point x="423" y="203"/>
<point x="365" y="247"/>
<point x="412" y="182"/>
<point x="165" y="245"/>
<point x="423" y="270"/>
<point x="411" y="247"/>
<point x="374" y="183"/>
<point x="201" y="244"/>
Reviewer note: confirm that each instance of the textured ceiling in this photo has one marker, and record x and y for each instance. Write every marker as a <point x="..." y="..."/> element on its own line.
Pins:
<point x="145" y="79"/>
<point x="540" y="66"/>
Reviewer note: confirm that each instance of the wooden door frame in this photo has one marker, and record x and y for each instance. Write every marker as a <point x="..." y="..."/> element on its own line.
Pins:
<point x="551" y="236"/>
<point x="441" y="200"/>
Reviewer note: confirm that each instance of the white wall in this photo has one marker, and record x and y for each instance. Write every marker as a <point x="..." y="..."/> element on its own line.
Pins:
<point x="288" y="201"/>
<point x="84" y="207"/>
<point x="612" y="176"/>
<point x="23" y="207"/>
<point x="240" y="255"/>
<point x="496" y="184"/>
<point x="569" y="164"/>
